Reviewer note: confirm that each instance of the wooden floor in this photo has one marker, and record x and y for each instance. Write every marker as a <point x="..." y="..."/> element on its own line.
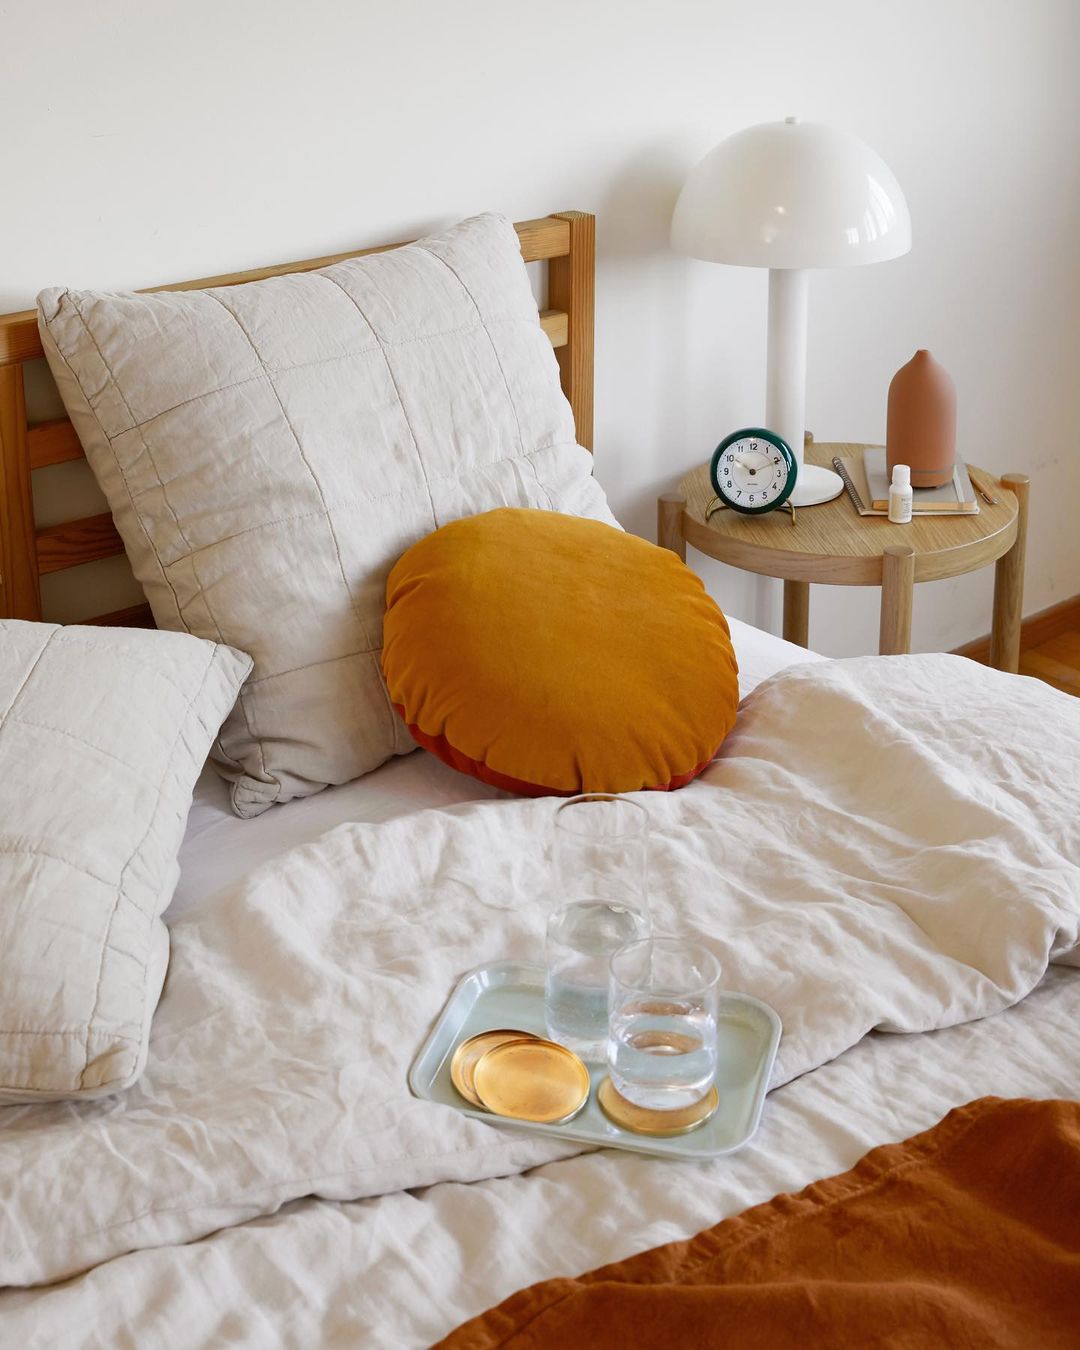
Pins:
<point x="1049" y="646"/>
<point x="1056" y="661"/>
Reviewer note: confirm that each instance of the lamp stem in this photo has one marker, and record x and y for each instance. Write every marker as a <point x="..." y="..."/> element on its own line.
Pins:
<point x="785" y="381"/>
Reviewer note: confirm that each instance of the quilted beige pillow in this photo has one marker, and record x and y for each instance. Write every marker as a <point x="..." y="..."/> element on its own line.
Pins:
<point x="103" y="732"/>
<point x="269" y="450"/>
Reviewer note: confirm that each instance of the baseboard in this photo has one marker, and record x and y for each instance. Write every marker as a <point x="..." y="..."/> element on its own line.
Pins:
<point x="1036" y="629"/>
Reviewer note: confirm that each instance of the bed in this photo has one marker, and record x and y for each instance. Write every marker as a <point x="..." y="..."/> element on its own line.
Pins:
<point x="406" y="1266"/>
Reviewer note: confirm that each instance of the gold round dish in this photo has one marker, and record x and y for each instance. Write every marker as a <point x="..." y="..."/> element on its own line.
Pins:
<point x="658" y="1124"/>
<point x="532" y="1080"/>
<point x="468" y="1053"/>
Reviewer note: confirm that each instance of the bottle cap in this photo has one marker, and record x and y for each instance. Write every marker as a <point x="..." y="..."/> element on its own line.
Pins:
<point x="901" y="476"/>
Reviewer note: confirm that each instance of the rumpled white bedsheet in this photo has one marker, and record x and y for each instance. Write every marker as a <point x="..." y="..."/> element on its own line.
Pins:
<point x="882" y="843"/>
<point x="219" y="849"/>
<point x="400" y="1271"/>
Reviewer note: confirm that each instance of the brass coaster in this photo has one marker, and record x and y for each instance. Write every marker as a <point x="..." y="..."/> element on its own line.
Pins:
<point x="532" y="1080"/>
<point x="466" y="1056"/>
<point x="658" y="1124"/>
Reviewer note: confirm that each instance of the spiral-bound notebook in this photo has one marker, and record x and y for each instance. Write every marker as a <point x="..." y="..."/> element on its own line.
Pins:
<point x="867" y="485"/>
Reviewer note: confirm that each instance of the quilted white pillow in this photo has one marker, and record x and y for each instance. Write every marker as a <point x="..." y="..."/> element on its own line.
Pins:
<point x="269" y="450"/>
<point x="103" y="732"/>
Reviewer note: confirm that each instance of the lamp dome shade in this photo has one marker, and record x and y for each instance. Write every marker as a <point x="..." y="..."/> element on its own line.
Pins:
<point x="792" y="194"/>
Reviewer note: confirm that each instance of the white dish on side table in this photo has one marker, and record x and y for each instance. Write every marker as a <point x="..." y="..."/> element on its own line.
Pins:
<point x="511" y="994"/>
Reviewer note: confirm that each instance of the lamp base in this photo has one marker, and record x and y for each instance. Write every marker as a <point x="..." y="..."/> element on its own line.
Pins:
<point x="815" y="485"/>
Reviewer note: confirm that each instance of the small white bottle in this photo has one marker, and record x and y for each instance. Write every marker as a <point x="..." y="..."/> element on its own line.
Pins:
<point x="900" y="495"/>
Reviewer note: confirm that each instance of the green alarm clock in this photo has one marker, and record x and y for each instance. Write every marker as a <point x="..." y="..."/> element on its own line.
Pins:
<point x="753" y="471"/>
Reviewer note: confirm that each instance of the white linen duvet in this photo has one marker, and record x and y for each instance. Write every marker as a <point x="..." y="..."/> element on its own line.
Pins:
<point x="883" y="843"/>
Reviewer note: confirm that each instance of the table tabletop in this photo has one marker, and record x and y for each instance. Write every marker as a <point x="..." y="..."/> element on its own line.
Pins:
<point x="833" y="544"/>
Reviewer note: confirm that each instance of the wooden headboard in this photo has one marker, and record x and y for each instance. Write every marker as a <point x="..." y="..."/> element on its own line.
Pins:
<point x="565" y="240"/>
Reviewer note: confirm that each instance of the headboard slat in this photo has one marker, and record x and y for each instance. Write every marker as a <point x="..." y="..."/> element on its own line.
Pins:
<point x="135" y="616"/>
<point x="20" y="593"/>
<point x="75" y="542"/>
<point x="53" y="443"/>
<point x="556" y="324"/>
<point x="570" y="288"/>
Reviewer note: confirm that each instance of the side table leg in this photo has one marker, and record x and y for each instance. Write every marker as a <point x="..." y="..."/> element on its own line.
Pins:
<point x="797" y="612"/>
<point x="897" y="587"/>
<point x="1009" y="584"/>
<point x="669" y="531"/>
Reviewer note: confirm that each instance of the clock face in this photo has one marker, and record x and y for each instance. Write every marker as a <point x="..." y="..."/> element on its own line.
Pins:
<point x="753" y="471"/>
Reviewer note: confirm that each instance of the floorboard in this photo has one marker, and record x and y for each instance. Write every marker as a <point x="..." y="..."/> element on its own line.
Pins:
<point x="1056" y="661"/>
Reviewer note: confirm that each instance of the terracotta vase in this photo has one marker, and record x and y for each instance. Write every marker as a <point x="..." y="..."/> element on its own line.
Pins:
<point x="921" y="429"/>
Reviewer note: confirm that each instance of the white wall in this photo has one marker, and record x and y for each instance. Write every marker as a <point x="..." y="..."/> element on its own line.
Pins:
<point x="149" y="141"/>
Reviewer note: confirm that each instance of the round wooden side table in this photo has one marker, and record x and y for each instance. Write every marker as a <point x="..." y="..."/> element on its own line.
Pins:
<point x="834" y="545"/>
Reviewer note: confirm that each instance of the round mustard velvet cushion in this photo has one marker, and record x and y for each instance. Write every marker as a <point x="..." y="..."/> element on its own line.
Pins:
<point x="548" y="654"/>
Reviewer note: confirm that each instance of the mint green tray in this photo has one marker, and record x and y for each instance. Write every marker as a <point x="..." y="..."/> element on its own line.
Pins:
<point x="509" y="994"/>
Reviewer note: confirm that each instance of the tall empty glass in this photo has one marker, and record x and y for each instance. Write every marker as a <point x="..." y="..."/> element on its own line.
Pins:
<point x="662" y="1023"/>
<point x="601" y="875"/>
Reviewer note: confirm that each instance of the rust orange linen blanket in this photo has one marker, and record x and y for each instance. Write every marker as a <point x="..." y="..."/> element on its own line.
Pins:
<point x="967" y="1235"/>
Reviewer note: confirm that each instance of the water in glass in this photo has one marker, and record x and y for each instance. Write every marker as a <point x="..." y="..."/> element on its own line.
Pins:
<point x="662" y="1052"/>
<point x="662" y="1022"/>
<point x="582" y="935"/>
<point x="600" y="851"/>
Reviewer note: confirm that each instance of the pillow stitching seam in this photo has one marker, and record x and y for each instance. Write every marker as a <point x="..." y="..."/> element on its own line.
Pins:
<point x="120" y="393"/>
<point x="26" y="678"/>
<point x="65" y="1031"/>
<point x="82" y="740"/>
<point x="390" y="719"/>
<point x="305" y="365"/>
<point x="154" y="555"/>
<point x="120" y="888"/>
<point x="300" y="451"/>
<point x="37" y="851"/>
<point x="313" y="665"/>
<point x="498" y="361"/>
<point x="529" y="455"/>
<point x="71" y="638"/>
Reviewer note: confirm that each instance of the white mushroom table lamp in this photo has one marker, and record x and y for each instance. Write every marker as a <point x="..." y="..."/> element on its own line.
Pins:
<point x="789" y="196"/>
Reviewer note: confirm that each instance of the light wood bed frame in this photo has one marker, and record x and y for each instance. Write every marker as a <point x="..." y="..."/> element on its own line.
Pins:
<point x="565" y="240"/>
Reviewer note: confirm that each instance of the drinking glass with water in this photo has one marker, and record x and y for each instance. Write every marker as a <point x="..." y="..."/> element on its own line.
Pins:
<point x="601" y="876"/>
<point x="662" y="1023"/>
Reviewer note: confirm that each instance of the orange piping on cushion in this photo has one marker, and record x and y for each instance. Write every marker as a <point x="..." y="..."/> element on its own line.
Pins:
<point x="681" y="779"/>
<point x="441" y="748"/>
